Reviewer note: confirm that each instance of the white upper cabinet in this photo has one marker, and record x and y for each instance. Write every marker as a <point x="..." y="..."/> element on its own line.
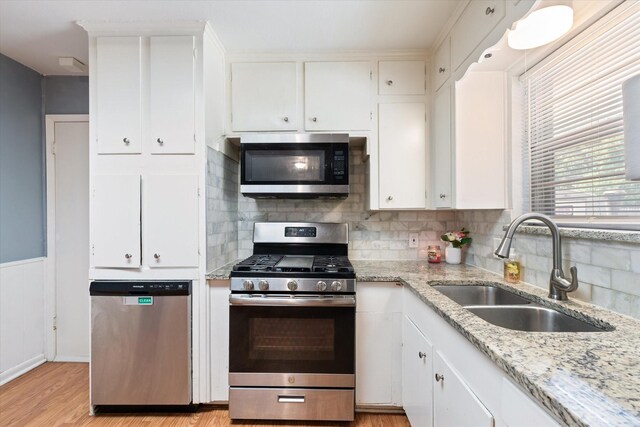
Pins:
<point x="401" y="78"/>
<point x="337" y="96"/>
<point x="402" y="162"/>
<point x="451" y="395"/>
<point x="480" y="159"/>
<point x="115" y="221"/>
<point x="170" y="220"/>
<point x="171" y="93"/>
<point x="475" y="23"/>
<point x="264" y="96"/>
<point x="442" y="165"/>
<point x="119" y="95"/>
<point x="441" y="66"/>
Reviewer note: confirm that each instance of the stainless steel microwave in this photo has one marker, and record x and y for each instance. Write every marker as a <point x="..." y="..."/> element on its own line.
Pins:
<point x="294" y="166"/>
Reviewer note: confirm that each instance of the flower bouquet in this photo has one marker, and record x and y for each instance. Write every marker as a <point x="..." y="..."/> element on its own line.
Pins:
<point x="458" y="239"/>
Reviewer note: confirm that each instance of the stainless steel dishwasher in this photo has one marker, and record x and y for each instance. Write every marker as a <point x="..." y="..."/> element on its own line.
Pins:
<point x="140" y="342"/>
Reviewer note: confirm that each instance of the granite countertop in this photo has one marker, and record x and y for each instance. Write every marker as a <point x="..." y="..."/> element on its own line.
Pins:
<point x="584" y="378"/>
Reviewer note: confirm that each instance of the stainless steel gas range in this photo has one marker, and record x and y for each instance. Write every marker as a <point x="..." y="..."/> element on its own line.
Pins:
<point x="292" y="325"/>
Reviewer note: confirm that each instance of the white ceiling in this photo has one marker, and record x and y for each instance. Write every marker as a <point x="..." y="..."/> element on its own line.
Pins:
<point x="36" y="33"/>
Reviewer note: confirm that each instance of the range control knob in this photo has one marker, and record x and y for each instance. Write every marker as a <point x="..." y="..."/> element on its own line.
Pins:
<point x="292" y="285"/>
<point x="247" y="285"/>
<point x="263" y="285"/>
<point x="321" y="286"/>
<point x="336" y="286"/>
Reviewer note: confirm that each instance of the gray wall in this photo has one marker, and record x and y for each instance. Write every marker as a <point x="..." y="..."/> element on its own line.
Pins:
<point x="22" y="215"/>
<point x="66" y="95"/>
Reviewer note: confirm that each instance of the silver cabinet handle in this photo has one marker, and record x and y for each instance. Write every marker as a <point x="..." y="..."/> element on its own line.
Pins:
<point x="490" y="10"/>
<point x="128" y="256"/>
<point x="439" y="378"/>
<point x="390" y="198"/>
<point x="160" y="141"/>
<point x="314" y="119"/>
<point x="126" y="140"/>
<point x="442" y="70"/>
<point x="156" y="256"/>
<point x="389" y="82"/>
<point x="422" y="355"/>
<point x="286" y="119"/>
<point x="442" y="195"/>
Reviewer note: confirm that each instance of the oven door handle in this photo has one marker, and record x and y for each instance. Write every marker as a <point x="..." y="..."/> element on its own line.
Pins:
<point x="269" y="301"/>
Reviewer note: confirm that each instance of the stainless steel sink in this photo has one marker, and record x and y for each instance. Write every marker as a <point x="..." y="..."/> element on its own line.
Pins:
<point x="480" y="295"/>
<point x="532" y="318"/>
<point x="508" y="310"/>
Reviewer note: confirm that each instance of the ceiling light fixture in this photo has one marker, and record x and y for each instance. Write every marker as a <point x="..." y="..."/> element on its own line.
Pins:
<point x="72" y="64"/>
<point x="541" y="27"/>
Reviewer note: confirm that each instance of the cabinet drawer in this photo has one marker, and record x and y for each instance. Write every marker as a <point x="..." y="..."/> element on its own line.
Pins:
<point x="401" y="78"/>
<point x="441" y="64"/>
<point x="296" y="404"/>
<point x="475" y="23"/>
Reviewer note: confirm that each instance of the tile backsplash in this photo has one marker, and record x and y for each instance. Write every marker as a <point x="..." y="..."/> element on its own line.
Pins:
<point x="609" y="272"/>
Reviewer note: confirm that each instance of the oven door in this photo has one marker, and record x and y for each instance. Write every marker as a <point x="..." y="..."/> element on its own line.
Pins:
<point x="294" y="169"/>
<point x="282" y="341"/>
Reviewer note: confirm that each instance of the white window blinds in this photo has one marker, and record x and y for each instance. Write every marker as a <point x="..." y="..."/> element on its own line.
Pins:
<point x="573" y="122"/>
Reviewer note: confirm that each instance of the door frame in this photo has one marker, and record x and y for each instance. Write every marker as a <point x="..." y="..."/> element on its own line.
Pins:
<point x="50" y="260"/>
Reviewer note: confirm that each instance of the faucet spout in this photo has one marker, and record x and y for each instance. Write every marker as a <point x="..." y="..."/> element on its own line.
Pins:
<point x="559" y="285"/>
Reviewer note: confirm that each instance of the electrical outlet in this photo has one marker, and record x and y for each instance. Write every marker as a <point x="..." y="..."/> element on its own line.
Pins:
<point x="413" y="240"/>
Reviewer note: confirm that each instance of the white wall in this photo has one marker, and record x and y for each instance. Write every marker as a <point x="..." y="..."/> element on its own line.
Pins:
<point x="21" y="317"/>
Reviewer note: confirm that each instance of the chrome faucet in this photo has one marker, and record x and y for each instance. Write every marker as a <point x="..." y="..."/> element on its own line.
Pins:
<point x="558" y="284"/>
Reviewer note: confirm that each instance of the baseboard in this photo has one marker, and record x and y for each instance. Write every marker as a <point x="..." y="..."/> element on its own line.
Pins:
<point x="380" y="409"/>
<point x="13" y="373"/>
<point x="80" y="359"/>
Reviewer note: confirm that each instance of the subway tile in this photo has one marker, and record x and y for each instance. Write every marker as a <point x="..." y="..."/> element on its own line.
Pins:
<point x="615" y="258"/>
<point x="626" y="281"/>
<point x="594" y="275"/>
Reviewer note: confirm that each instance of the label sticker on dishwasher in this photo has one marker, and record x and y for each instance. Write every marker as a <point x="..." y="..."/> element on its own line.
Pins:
<point x="138" y="300"/>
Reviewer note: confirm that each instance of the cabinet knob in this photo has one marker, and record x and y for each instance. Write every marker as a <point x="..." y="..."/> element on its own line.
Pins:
<point x="439" y="378"/>
<point x="160" y="141"/>
<point x="389" y="82"/>
<point x="422" y="355"/>
<point x="390" y="198"/>
<point x="156" y="256"/>
<point x="286" y="119"/>
<point x="128" y="256"/>
<point x="314" y="119"/>
<point x="489" y="10"/>
<point x="442" y="70"/>
<point x="126" y="140"/>
<point x="442" y="195"/>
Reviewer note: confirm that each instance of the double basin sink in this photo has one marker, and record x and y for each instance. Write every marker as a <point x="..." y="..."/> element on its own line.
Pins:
<point x="508" y="310"/>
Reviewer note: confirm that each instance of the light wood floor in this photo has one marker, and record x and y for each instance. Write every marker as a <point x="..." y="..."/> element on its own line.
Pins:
<point x="57" y="394"/>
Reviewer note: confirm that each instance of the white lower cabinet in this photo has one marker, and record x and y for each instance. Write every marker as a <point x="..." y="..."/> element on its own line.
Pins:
<point x="417" y="369"/>
<point x="454" y="404"/>
<point x="379" y="344"/>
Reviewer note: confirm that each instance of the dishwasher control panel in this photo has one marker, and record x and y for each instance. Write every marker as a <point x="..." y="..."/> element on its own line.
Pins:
<point x="124" y="288"/>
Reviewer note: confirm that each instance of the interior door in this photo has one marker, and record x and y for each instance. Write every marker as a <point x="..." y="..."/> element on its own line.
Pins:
<point x="171" y="218"/>
<point x="72" y="240"/>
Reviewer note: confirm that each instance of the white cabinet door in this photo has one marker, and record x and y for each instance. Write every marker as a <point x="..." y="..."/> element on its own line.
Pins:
<point x="417" y="385"/>
<point x="442" y="166"/>
<point x="115" y="221"/>
<point x="264" y="96"/>
<point x="171" y="92"/>
<point x="401" y="78"/>
<point x="475" y="23"/>
<point x="337" y="96"/>
<point x="441" y="69"/>
<point x="518" y="410"/>
<point x="119" y="95"/>
<point x="402" y="164"/>
<point x="171" y="220"/>
<point x="454" y="404"/>
<point x="480" y="162"/>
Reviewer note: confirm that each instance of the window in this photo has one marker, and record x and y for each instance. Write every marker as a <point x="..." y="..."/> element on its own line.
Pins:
<point x="573" y="133"/>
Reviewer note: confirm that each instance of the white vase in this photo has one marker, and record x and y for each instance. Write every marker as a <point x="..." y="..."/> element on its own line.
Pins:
<point x="453" y="255"/>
